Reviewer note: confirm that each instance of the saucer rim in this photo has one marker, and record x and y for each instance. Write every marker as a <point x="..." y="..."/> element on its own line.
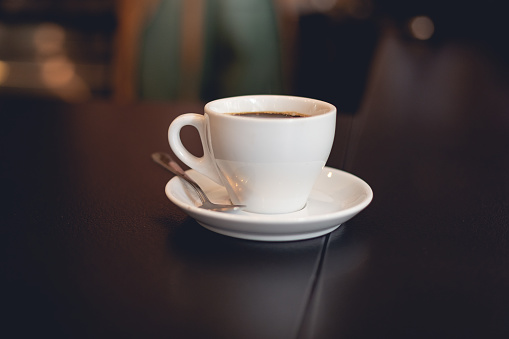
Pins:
<point x="277" y="218"/>
<point x="271" y="237"/>
<point x="278" y="227"/>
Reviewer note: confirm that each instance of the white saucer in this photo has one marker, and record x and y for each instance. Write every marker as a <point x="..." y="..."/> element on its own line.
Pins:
<point x="336" y="197"/>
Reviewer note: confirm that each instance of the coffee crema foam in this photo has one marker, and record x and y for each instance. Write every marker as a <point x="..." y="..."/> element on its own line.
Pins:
<point x="271" y="114"/>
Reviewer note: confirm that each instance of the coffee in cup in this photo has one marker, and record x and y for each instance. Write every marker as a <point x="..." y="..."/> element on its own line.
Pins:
<point x="271" y="114"/>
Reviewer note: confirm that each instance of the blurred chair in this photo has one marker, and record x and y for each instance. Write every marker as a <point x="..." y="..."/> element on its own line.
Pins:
<point x="131" y="16"/>
<point x="200" y="49"/>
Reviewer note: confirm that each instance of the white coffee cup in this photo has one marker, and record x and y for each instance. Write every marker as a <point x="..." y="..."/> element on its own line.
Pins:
<point x="268" y="164"/>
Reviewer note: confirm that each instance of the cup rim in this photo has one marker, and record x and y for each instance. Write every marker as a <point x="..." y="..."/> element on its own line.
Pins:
<point x="329" y="108"/>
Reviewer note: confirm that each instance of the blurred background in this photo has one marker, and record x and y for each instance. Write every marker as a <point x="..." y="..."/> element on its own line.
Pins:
<point x="57" y="49"/>
<point x="131" y="50"/>
<point x="156" y="50"/>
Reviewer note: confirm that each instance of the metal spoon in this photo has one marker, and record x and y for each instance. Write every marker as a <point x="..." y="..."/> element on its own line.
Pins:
<point x="167" y="162"/>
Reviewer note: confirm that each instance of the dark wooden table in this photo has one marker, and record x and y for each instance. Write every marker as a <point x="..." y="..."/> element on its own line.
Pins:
<point x="92" y="248"/>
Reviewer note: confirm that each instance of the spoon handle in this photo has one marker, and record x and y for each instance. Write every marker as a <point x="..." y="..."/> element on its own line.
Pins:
<point x="167" y="162"/>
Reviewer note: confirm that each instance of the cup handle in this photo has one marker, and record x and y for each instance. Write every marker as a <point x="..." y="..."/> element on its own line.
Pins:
<point x="205" y="165"/>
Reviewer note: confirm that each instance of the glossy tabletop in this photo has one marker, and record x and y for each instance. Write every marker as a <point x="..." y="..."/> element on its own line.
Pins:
<point x="92" y="248"/>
